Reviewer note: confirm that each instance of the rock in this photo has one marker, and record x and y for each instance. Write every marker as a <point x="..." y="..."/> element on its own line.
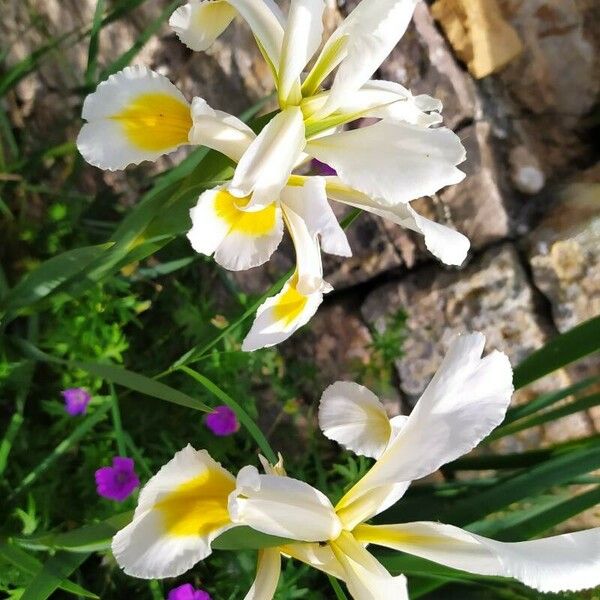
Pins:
<point x="492" y="295"/>
<point x="564" y="253"/>
<point x="555" y="81"/>
<point x="479" y="34"/>
<point x="477" y="207"/>
<point x="525" y="171"/>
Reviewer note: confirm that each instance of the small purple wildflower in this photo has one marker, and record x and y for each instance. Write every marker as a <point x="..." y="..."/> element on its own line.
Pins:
<point x="321" y="168"/>
<point x="188" y="592"/>
<point x="222" y="421"/>
<point x="76" y="401"/>
<point x="119" y="481"/>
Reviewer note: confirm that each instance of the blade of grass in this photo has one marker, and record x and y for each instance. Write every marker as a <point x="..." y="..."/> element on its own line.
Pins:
<point x="117" y="424"/>
<point x="337" y="588"/>
<point x="578" y="405"/>
<point x="52" y="575"/>
<point x="241" y="414"/>
<point x="30" y="565"/>
<point x="546" y="400"/>
<point x="559" y="352"/>
<point x="94" y="44"/>
<point x="80" y="431"/>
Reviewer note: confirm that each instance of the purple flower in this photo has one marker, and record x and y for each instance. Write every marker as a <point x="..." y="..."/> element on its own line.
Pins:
<point x="76" y="401"/>
<point x="222" y="421"/>
<point x="321" y="168"/>
<point x="187" y="592"/>
<point x="117" y="482"/>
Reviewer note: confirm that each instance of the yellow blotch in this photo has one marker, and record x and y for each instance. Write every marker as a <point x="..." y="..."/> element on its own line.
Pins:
<point x="251" y="223"/>
<point x="290" y="305"/>
<point x="198" y="506"/>
<point x="155" y="121"/>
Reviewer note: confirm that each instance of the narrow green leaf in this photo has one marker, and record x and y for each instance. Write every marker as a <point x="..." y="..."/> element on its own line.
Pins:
<point x="242" y="415"/>
<point x="546" y="400"/>
<point x="245" y="538"/>
<point x="82" y="429"/>
<point x="547" y="416"/>
<point x="50" y="275"/>
<point x="89" y="538"/>
<point x="94" y="44"/>
<point x="142" y="384"/>
<point x="559" y="352"/>
<point x="52" y="575"/>
<point x="31" y="565"/>
<point x="525" y="485"/>
<point x="337" y="588"/>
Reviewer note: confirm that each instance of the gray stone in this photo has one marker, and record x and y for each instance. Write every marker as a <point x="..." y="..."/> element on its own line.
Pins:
<point x="493" y="296"/>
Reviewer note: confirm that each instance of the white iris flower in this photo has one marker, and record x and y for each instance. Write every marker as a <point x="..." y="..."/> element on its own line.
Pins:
<point x="139" y="115"/>
<point x="192" y="499"/>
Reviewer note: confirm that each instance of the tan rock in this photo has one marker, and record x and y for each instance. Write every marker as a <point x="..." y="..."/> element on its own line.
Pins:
<point x="479" y="34"/>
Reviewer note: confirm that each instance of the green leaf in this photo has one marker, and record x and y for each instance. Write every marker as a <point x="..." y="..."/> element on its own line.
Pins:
<point x="547" y="416"/>
<point x="559" y="352"/>
<point x="142" y="384"/>
<point x="94" y="44"/>
<point x="82" y="429"/>
<point x="89" y="538"/>
<point x="31" y="566"/>
<point x="52" y="575"/>
<point x="546" y="400"/>
<point x="245" y="538"/>
<point x="532" y="482"/>
<point x="50" y="275"/>
<point x="241" y="414"/>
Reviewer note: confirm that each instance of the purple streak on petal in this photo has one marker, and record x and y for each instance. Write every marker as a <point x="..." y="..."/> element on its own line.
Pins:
<point x="76" y="401"/>
<point x="222" y="421"/>
<point x="119" y="481"/>
<point x="321" y="168"/>
<point x="188" y="592"/>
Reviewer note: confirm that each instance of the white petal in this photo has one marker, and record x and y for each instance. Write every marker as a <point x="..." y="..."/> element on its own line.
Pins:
<point x="353" y="416"/>
<point x="466" y="399"/>
<point x="365" y="576"/>
<point x="446" y="244"/>
<point x="309" y="202"/>
<point x="309" y="268"/>
<point x="267" y="575"/>
<point x="280" y="316"/>
<point x="283" y="507"/>
<point x="301" y="40"/>
<point x="567" y="562"/>
<point x="264" y="20"/>
<point x="396" y="162"/>
<point x="373" y="28"/>
<point x="266" y="166"/>
<point x="180" y="511"/>
<point x="238" y="238"/>
<point x="316" y="555"/>
<point x="391" y="101"/>
<point x="135" y="115"/>
<point x="219" y="130"/>
<point x="200" y="22"/>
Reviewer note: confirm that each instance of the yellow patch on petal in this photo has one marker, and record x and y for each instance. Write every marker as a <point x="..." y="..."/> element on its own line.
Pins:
<point x="290" y="305"/>
<point x="250" y="223"/>
<point x="198" y="506"/>
<point x="155" y="121"/>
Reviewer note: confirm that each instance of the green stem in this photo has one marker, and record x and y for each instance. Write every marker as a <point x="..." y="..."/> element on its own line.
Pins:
<point x="117" y="423"/>
<point x="242" y="415"/>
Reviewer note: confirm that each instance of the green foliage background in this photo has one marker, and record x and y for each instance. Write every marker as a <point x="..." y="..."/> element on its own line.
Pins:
<point x="157" y="348"/>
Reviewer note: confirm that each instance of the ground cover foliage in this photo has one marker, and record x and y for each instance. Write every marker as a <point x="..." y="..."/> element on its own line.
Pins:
<point x="92" y="296"/>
